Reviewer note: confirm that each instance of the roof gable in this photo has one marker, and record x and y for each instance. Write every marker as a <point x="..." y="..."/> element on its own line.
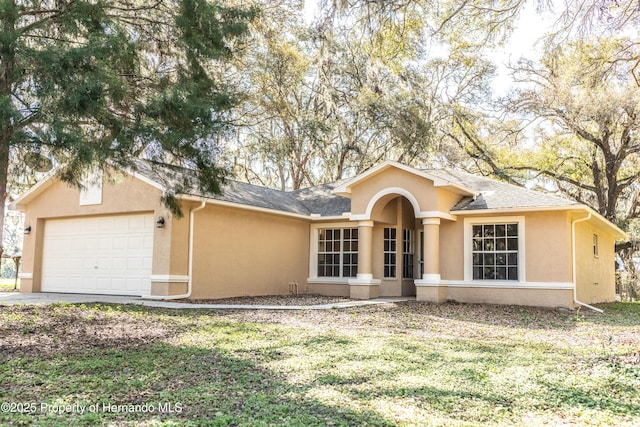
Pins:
<point x="345" y="188"/>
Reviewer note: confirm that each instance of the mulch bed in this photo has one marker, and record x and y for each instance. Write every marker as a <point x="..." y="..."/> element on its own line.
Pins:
<point x="280" y="300"/>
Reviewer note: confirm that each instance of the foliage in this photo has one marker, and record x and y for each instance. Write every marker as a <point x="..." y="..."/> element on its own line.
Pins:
<point x="330" y="99"/>
<point x="93" y="83"/>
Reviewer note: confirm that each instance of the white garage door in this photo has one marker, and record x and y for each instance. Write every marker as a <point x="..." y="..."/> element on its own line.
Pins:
<point x="98" y="255"/>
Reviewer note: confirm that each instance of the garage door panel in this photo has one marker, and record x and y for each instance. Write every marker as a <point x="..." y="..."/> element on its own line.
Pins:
<point x="107" y="255"/>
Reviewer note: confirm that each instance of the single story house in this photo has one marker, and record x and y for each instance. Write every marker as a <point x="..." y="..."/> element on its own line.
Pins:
<point x="391" y="231"/>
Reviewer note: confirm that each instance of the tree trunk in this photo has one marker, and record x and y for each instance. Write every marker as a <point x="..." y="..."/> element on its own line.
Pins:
<point x="7" y="70"/>
<point x="629" y="278"/>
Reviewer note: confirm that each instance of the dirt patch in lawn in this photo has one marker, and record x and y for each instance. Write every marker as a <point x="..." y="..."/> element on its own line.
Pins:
<point x="277" y="300"/>
<point x="46" y="331"/>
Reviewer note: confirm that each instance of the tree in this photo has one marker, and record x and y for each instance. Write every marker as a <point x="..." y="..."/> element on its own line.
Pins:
<point x="91" y="82"/>
<point x="331" y="99"/>
<point x="575" y="125"/>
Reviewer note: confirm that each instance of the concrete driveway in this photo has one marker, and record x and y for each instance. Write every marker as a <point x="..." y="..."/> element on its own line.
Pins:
<point x="13" y="298"/>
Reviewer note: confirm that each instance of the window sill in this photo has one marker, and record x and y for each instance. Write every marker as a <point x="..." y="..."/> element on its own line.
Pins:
<point x="506" y="284"/>
<point x="328" y="280"/>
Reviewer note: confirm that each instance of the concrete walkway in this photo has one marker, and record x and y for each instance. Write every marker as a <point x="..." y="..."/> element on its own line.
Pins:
<point x="13" y="298"/>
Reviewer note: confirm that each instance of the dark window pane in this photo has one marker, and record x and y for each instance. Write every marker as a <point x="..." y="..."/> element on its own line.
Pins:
<point x="346" y="233"/>
<point x="477" y="231"/>
<point x="477" y="259"/>
<point x="329" y="234"/>
<point x="501" y="230"/>
<point x="513" y="273"/>
<point x="393" y="233"/>
<point x="354" y="233"/>
<point x="512" y="244"/>
<point x="489" y="273"/>
<point x="477" y="273"/>
<point x="501" y="273"/>
<point x="501" y="244"/>
<point x="501" y="259"/>
<point x="489" y="259"/>
<point x="354" y="246"/>
<point x="386" y="245"/>
<point x="512" y="230"/>
<point x="354" y="259"/>
<point x="489" y="231"/>
<point x="393" y="245"/>
<point x="512" y="259"/>
<point x="489" y="245"/>
<point x="386" y="233"/>
<point x="477" y="244"/>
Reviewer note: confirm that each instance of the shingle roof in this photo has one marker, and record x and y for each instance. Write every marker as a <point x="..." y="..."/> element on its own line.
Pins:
<point x="320" y="200"/>
<point x="493" y="194"/>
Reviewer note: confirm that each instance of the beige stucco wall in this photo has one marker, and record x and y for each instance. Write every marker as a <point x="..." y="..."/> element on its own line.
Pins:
<point x="239" y="252"/>
<point x="428" y="196"/>
<point x="452" y="250"/>
<point x="547" y="246"/>
<point x="512" y="296"/>
<point x="121" y="194"/>
<point x="595" y="277"/>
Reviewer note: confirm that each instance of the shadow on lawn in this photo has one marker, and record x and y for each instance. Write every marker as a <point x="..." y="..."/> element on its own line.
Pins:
<point x="535" y="318"/>
<point x="209" y="386"/>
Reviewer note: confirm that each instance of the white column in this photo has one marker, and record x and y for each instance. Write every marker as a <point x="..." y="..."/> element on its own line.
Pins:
<point x="431" y="227"/>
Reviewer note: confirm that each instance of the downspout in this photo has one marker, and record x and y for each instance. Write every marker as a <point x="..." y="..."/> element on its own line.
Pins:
<point x="190" y="282"/>
<point x="573" y="249"/>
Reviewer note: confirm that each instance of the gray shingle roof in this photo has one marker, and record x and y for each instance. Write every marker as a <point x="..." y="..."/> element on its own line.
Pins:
<point x="493" y="194"/>
<point x="314" y="200"/>
<point x="320" y="200"/>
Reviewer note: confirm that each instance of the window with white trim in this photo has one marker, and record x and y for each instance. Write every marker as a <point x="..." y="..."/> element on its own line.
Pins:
<point x="408" y="250"/>
<point x="390" y="253"/>
<point x="337" y="252"/>
<point x="495" y="251"/>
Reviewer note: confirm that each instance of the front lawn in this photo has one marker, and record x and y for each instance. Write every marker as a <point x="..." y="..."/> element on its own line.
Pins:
<point x="395" y="364"/>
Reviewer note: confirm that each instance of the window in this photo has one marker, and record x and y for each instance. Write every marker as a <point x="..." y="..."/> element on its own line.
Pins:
<point x="495" y="251"/>
<point x="390" y="252"/>
<point x="338" y="252"/>
<point x="91" y="190"/>
<point x="595" y="245"/>
<point x="408" y="245"/>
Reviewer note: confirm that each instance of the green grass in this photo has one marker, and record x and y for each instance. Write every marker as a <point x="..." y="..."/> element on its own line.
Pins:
<point x="7" y="285"/>
<point x="397" y="364"/>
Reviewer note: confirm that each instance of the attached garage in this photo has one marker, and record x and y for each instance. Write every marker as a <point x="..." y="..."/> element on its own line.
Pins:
<point x="98" y="255"/>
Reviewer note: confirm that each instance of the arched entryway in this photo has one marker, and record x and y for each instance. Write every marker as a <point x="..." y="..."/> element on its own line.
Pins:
<point x="395" y="245"/>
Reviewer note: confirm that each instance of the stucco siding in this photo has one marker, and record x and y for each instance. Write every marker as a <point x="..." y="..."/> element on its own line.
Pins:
<point x="452" y="250"/>
<point x="548" y="247"/>
<point x="427" y="195"/>
<point x="595" y="277"/>
<point x="239" y="252"/>
<point x="512" y="296"/>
